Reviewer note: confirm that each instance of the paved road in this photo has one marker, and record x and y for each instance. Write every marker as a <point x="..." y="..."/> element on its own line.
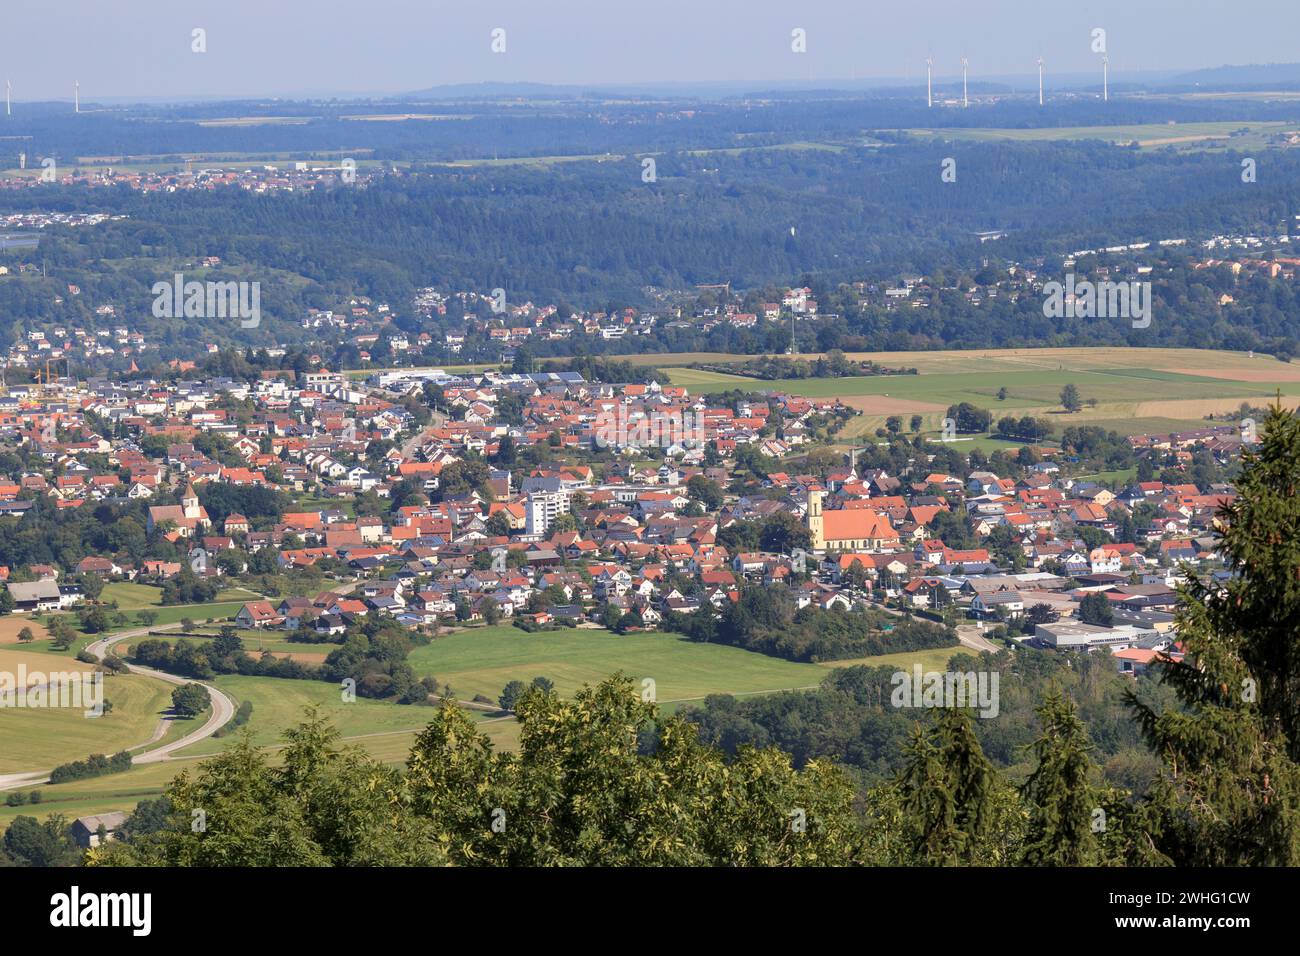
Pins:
<point x="223" y="710"/>
<point x="412" y="444"/>
<point x="15" y="781"/>
<point x="971" y="636"/>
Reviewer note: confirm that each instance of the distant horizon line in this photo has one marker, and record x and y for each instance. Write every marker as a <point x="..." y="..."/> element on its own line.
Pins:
<point x="1063" y="81"/>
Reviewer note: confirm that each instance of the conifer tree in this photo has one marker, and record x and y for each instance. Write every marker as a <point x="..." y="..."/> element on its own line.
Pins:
<point x="1231" y="791"/>
<point x="947" y="786"/>
<point x="1063" y="805"/>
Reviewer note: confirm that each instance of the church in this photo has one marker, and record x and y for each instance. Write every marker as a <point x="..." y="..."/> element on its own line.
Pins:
<point x="189" y="517"/>
<point x="859" y="529"/>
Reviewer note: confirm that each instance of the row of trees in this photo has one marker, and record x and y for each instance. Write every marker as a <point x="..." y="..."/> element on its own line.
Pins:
<point x="769" y="621"/>
<point x="371" y="654"/>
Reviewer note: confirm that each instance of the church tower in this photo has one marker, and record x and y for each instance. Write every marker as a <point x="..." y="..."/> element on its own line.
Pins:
<point x="815" y="529"/>
<point x="190" y="503"/>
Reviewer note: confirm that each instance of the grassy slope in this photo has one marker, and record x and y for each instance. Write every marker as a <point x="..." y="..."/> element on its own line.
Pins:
<point x="123" y="791"/>
<point x="32" y="738"/>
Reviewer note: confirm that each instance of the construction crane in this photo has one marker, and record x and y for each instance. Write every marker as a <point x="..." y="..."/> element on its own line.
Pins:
<point x="42" y="383"/>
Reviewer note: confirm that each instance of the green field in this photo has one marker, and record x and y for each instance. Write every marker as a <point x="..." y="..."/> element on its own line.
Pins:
<point x="122" y="791"/>
<point x="1237" y="133"/>
<point x="41" y="738"/>
<point x="280" y="704"/>
<point x="118" y="791"/>
<point x="254" y="641"/>
<point x="1028" y="389"/>
<point x="484" y="660"/>
<point x="199" y="613"/>
<point x="1136" y="390"/>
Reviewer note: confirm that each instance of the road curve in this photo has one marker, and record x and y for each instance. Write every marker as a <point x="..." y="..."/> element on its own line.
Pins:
<point x="223" y="710"/>
<point x="972" y="636"/>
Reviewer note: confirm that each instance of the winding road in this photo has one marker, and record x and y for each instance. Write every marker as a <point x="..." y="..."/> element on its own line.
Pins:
<point x="223" y="709"/>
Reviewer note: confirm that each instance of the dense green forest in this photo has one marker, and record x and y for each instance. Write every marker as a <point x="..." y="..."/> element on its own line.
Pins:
<point x="568" y="123"/>
<point x="594" y="231"/>
<point x="850" y="718"/>
<point x="868" y="205"/>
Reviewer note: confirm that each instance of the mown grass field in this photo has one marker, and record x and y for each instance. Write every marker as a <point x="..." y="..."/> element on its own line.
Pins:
<point x="124" y="790"/>
<point x="255" y="642"/>
<point x="280" y="704"/>
<point x="1136" y="390"/>
<point x="42" y="738"/>
<point x="484" y="660"/>
<point x="131" y="596"/>
<point x="119" y="791"/>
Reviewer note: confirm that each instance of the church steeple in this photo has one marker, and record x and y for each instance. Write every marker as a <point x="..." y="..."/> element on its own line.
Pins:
<point x="190" y="502"/>
<point x="816" y="527"/>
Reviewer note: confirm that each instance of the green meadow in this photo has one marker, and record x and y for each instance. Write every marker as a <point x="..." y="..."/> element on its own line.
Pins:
<point x="122" y="791"/>
<point x="1131" y="391"/>
<point x="1147" y="135"/>
<point x="42" y="738"/>
<point x="483" y="660"/>
<point x="280" y="704"/>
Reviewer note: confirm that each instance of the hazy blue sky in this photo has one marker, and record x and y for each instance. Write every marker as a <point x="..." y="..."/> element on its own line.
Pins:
<point x="267" y="47"/>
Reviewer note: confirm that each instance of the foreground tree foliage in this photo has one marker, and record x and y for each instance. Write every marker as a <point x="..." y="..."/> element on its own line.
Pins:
<point x="322" y="806"/>
<point x="947" y="792"/>
<point x="1230" y="794"/>
<point x="598" y="780"/>
<point x="1073" y="821"/>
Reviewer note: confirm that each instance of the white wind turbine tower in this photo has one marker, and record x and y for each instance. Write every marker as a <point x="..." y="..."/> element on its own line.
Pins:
<point x="76" y="96"/>
<point x="929" y="94"/>
<point x="1105" y="77"/>
<point x="9" y="111"/>
<point x="1040" y="81"/>
<point x="964" y="64"/>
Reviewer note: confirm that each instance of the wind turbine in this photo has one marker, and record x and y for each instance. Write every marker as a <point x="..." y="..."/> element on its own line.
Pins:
<point x="9" y="110"/>
<point x="1040" y="81"/>
<point x="1105" y="77"/>
<point x="964" y="64"/>
<point x="929" y="89"/>
<point x="76" y="96"/>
